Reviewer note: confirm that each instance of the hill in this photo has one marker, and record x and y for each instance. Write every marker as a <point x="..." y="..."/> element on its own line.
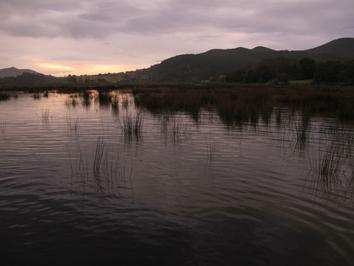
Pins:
<point x="14" y="72"/>
<point x="217" y="62"/>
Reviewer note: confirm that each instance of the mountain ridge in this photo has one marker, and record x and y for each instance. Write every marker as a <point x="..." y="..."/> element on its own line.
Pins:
<point x="216" y="62"/>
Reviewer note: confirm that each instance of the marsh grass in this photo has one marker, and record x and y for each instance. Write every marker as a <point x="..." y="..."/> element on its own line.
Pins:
<point x="173" y="127"/>
<point x="211" y="150"/>
<point x="45" y="115"/>
<point x="132" y="125"/>
<point x="115" y="104"/>
<point x="125" y="103"/>
<point x="104" y="98"/>
<point x="4" y="96"/>
<point x="86" y="99"/>
<point x="248" y="105"/>
<point x="302" y="130"/>
<point x="72" y="101"/>
<point x="37" y="96"/>
<point x="325" y="168"/>
<point x="103" y="168"/>
<point x="3" y="126"/>
<point x="72" y="125"/>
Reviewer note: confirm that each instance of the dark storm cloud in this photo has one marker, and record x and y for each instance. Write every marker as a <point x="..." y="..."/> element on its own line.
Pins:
<point x="96" y="19"/>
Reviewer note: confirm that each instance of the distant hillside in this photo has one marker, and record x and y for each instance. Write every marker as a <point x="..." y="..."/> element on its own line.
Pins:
<point x="14" y="72"/>
<point x="341" y="48"/>
<point x="217" y="62"/>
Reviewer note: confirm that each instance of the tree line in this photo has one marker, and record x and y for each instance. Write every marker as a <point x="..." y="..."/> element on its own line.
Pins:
<point x="283" y="70"/>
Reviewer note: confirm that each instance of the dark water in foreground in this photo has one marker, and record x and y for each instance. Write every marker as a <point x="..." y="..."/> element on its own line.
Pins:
<point x="76" y="190"/>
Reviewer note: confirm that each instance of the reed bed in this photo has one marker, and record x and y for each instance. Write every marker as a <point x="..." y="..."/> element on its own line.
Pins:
<point x="237" y="106"/>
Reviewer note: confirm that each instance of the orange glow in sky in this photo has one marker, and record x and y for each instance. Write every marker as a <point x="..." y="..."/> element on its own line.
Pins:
<point x="57" y="69"/>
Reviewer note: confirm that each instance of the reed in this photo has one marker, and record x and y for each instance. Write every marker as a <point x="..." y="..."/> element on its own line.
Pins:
<point x="325" y="168"/>
<point x="37" y="96"/>
<point x="132" y="126"/>
<point x="3" y="126"/>
<point x="101" y="168"/>
<point x="45" y="115"/>
<point x="4" y="96"/>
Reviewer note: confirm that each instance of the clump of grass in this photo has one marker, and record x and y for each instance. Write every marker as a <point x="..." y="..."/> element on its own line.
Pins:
<point x="172" y="128"/>
<point x="71" y="102"/>
<point x="115" y="104"/>
<point x="3" y="126"/>
<point x="72" y="125"/>
<point x="102" y="167"/>
<point x="45" y="115"/>
<point x="211" y="149"/>
<point x="177" y="129"/>
<point x="125" y="103"/>
<point x="132" y="125"/>
<point x="4" y="96"/>
<point x="37" y="96"/>
<point x="86" y="99"/>
<point x="104" y="98"/>
<point x="98" y="158"/>
<point x="302" y="129"/>
<point x="326" y="167"/>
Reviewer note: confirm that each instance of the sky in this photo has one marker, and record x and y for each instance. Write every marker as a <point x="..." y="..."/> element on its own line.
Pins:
<point x="99" y="36"/>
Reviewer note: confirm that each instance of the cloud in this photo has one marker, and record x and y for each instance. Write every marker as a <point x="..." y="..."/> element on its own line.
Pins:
<point x="139" y="32"/>
<point x="97" y="19"/>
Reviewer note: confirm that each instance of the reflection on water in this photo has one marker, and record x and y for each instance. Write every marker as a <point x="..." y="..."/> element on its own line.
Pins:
<point x="110" y="177"/>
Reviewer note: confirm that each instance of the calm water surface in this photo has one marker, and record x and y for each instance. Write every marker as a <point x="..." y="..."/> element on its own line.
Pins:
<point x="75" y="189"/>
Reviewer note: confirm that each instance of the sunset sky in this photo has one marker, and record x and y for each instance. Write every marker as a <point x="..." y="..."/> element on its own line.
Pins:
<point x="97" y="36"/>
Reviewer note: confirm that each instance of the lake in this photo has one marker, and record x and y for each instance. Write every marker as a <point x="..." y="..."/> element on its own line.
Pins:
<point x="104" y="179"/>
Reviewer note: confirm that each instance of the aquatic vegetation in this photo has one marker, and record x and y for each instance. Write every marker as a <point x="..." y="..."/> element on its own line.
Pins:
<point x="99" y="152"/>
<point x="86" y="99"/>
<point x="45" y="115"/>
<point x="37" y="96"/>
<point x="73" y="125"/>
<point x="132" y="125"/>
<point x="172" y="128"/>
<point x="211" y="150"/>
<point x="325" y="167"/>
<point x="4" y="96"/>
<point x="242" y="105"/>
<point x="3" y="126"/>
<point x="125" y="103"/>
<point x="71" y="102"/>
<point x="115" y="104"/>
<point x="101" y="168"/>
<point x="302" y="129"/>
<point x="104" y="98"/>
